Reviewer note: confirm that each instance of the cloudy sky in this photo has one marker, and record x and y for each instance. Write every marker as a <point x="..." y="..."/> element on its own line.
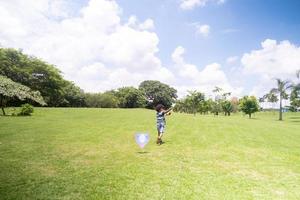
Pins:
<point x="239" y="45"/>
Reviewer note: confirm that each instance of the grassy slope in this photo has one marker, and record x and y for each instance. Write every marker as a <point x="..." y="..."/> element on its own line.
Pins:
<point x="91" y="154"/>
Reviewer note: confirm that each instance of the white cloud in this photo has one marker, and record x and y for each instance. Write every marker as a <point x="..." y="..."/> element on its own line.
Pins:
<point x="95" y="49"/>
<point x="273" y="60"/>
<point x="232" y="59"/>
<point x="191" y="77"/>
<point x="191" y="4"/>
<point x="148" y="24"/>
<point x="92" y="48"/>
<point x="203" y="30"/>
<point x="133" y="22"/>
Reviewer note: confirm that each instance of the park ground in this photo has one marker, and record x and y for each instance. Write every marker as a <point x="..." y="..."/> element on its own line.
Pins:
<point x="71" y="153"/>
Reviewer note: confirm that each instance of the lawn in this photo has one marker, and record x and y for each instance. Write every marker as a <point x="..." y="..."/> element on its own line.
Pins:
<point x="66" y="153"/>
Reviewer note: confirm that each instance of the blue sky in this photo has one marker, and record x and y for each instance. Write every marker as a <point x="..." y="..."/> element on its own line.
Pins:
<point x="239" y="45"/>
<point x="252" y="21"/>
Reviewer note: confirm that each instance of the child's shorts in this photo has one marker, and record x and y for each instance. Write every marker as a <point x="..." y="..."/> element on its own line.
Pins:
<point x="160" y="127"/>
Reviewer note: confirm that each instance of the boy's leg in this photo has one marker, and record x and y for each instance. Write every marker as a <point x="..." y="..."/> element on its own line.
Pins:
<point x="158" y="141"/>
<point x="158" y="134"/>
<point x="161" y="132"/>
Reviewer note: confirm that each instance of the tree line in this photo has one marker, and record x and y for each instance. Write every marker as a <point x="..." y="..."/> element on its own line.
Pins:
<point x="196" y="102"/>
<point x="21" y="76"/>
<point x="18" y="70"/>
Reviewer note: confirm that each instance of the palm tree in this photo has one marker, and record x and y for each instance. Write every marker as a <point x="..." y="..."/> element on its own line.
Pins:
<point x="261" y="101"/>
<point x="281" y="90"/>
<point x="295" y="94"/>
<point x="297" y="85"/>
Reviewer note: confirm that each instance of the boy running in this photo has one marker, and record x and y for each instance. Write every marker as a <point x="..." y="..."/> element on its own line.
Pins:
<point x="161" y="121"/>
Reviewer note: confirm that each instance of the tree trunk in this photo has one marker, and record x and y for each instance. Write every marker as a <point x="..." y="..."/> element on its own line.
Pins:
<point x="280" y="108"/>
<point x="3" y="111"/>
<point x="2" y="104"/>
<point x="249" y="115"/>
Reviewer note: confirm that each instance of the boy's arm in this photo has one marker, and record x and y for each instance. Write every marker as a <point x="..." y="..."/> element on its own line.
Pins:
<point x="169" y="110"/>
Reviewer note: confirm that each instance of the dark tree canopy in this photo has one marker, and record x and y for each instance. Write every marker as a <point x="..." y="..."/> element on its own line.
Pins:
<point x="41" y="76"/>
<point x="101" y="100"/>
<point x="157" y="92"/>
<point x="130" y="97"/>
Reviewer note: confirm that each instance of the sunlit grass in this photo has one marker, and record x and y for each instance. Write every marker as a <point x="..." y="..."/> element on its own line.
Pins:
<point x="91" y="154"/>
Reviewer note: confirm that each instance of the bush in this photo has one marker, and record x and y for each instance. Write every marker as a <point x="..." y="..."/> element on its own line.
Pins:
<point x="26" y="109"/>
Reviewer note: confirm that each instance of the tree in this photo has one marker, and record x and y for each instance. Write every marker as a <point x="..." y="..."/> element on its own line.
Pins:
<point x="272" y="98"/>
<point x="74" y="96"/>
<point x="130" y="97"/>
<point x="193" y="101"/>
<point x="39" y="75"/>
<point x="101" y="100"/>
<point x="179" y="106"/>
<point x="216" y="107"/>
<point x="10" y="90"/>
<point x="249" y="105"/>
<point x="157" y="92"/>
<point x="227" y="107"/>
<point x="261" y="100"/>
<point x="205" y="106"/>
<point x="221" y="102"/>
<point x="295" y="94"/>
<point x="281" y="90"/>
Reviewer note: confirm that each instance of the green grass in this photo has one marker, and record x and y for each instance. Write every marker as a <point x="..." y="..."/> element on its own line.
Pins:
<point x="91" y="154"/>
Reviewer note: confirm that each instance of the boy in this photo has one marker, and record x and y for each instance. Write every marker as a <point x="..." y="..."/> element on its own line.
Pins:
<point x="161" y="121"/>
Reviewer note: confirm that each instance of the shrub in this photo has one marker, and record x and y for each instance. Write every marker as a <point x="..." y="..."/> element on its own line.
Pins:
<point x="26" y="109"/>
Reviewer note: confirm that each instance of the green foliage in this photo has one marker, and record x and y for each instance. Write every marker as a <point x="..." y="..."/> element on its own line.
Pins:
<point x="281" y="90"/>
<point x="295" y="94"/>
<point x="205" y="106"/>
<point x="227" y="107"/>
<point x="271" y="97"/>
<point x="101" y="100"/>
<point x="216" y="107"/>
<point x="130" y="97"/>
<point x="74" y="96"/>
<point x="158" y="92"/>
<point x="295" y="97"/>
<point x="179" y="106"/>
<point x="40" y="76"/>
<point x="249" y="105"/>
<point x="221" y="103"/>
<point x="192" y="103"/>
<point x="26" y="109"/>
<point x="11" y="90"/>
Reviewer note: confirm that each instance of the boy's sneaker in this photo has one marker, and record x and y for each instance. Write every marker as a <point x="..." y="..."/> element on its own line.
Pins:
<point x="157" y="141"/>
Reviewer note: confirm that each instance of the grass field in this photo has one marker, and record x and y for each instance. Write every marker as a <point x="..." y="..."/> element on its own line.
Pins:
<point x="91" y="154"/>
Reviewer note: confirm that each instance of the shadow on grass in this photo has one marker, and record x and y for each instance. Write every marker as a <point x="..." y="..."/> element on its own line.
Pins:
<point x="15" y="115"/>
<point x="253" y="118"/>
<point x="295" y="121"/>
<point x="142" y="152"/>
<point x="294" y="117"/>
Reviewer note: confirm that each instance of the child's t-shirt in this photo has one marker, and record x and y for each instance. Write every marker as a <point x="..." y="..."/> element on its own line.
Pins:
<point x="160" y="117"/>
